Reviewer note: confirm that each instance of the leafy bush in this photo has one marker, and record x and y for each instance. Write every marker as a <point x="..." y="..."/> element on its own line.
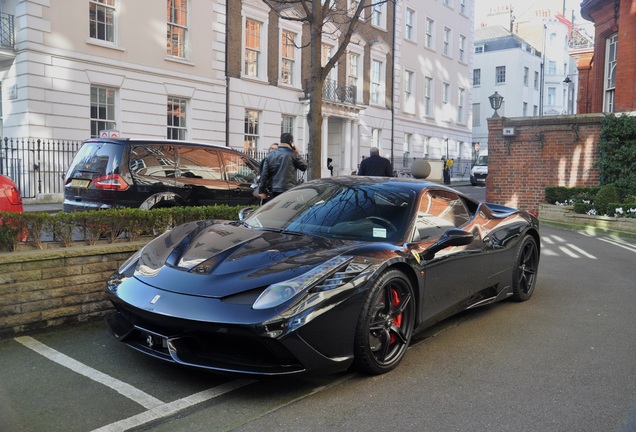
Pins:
<point x="618" y="153"/>
<point x="92" y="226"/>
<point x="606" y="195"/>
<point x="569" y="195"/>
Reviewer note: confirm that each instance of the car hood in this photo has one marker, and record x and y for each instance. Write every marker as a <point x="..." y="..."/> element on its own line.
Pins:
<point x="219" y="259"/>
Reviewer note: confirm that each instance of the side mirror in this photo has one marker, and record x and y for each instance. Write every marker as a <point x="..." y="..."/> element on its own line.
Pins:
<point x="245" y="213"/>
<point x="452" y="237"/>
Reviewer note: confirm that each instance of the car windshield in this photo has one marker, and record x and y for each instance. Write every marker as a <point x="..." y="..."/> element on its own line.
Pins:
<point x="347" y="210"/>
<point x="482" y="160"/>
<point x="95" y="159"/>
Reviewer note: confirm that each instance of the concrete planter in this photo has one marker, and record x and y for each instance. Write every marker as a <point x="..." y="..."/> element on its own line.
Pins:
<point x="564" y="215"/>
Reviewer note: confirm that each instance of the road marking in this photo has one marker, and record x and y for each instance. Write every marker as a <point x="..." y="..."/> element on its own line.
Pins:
<point x="630" y="247"/>
<point x="581" y="251"/>
<point x="172" y="408"/>
<point x="566" y="251"/>
<point x="132" y="393"/>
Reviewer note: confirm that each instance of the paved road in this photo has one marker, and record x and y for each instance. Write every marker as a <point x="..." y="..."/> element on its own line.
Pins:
<point x="563" y="361"/>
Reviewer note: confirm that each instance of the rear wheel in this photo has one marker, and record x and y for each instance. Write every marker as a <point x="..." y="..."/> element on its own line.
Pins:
<point x="385" y="325"/>
<point x="524" y="274"/>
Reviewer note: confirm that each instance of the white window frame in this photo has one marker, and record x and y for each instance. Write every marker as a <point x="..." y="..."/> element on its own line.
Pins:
<point x="462" y="48"/>
<point x="288" y="124"/>
<point x="429" y="91"/>
<point x="261" y="16"/>
<point x="500" y="74"/>
<point x="429" y="40"/>
<point x="410" y="89"/>
<point x="462" y="7"/>
<point x="445" y="93"/>
<point x="551" y="96"/>
<point x="410" y="24"/>
<point x="107" y="7"/>
<point x="477" y="77"/>
<point x="447" y="46"/>
<point x="252" y="134"/>
<point x="182" y="45"/>
<point x="609" y="73"/>
<point x="357" y="49"/>
<point x="295" y="29"/>
<point x="378" y="15"/>
<point x="476" y="114"/>
<point x="181" y="129"/>
<point x="461" y="95"/>
<point x="526" y="75"/>
<point x="109" y="107"/>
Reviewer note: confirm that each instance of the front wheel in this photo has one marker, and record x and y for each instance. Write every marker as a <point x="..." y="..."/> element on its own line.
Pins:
<point x="524" y="273"/>
<point x="385" y="325"/>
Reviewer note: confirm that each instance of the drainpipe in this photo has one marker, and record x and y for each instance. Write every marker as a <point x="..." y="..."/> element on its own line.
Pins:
<point x="227" y="75"/>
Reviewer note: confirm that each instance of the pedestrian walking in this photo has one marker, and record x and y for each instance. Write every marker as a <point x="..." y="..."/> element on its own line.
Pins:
<point x="280" y="166"/>
<point x="375" y="165"/>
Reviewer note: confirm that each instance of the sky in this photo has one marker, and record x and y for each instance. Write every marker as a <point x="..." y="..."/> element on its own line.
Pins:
<point x="482" y="7"/>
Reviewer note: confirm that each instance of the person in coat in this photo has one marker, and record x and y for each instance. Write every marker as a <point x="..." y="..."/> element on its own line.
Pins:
<point x="375" y="165"/>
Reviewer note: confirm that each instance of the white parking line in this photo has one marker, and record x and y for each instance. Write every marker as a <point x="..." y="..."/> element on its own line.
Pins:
<point x="156" y="409"/>
<point x="581" y="251"/>
<point x="132" y="393"/>
<point x="173" y="407"/>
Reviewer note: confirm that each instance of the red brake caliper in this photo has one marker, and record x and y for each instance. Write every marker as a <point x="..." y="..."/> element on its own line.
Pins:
<point x="397" y="321"/>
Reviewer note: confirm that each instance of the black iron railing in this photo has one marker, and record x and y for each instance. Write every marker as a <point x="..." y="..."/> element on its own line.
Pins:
<point x="37" y="166"/>
<point x="7" y="33"/>
<point x="334" y="92"/>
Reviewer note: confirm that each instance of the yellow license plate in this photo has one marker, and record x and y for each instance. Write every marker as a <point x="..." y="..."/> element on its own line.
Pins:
<point x="80" y="183"/>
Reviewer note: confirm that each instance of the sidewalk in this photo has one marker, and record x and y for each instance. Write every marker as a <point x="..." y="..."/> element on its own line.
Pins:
<point x="42" y="208"/>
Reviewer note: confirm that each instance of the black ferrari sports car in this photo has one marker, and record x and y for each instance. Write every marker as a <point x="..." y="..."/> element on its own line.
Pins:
<point x="337" y="272"/>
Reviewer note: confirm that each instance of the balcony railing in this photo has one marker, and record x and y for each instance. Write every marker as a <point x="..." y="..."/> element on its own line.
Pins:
<point x="334" y="92"/>
<point x="7" y="34"/>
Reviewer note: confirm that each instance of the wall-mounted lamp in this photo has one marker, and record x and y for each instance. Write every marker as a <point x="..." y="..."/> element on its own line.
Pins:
<point x="495" y="103"/>
<point x="567" y="80"/>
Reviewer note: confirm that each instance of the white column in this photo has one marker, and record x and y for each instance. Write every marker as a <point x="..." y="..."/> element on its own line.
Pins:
<point x="324" y="172"/>
<point x="355" y="146"/>
<point x="348" y="142"/>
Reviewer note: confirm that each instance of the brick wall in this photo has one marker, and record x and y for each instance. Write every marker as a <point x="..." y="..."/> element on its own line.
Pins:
<point x="45" y="288"/>
<point x="545" y="151"/>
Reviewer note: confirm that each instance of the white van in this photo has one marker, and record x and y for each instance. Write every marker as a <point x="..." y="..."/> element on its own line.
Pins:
<point x="479" y="172"/>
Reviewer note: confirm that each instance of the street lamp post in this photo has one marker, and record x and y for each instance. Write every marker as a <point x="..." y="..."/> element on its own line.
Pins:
<point x="495" y="103"/>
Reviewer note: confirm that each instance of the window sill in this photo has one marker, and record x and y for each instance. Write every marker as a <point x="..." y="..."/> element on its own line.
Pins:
<point x="178" y="60"/>
<point x="104" y="44"/>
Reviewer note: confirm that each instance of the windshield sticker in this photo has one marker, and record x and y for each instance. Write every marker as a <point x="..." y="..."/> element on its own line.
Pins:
<point x="379" y="232"/>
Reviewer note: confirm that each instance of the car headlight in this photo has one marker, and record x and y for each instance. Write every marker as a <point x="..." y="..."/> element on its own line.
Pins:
<point x="278" y="293"/>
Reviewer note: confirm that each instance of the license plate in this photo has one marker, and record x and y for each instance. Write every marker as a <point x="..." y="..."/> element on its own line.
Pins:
<point x="80" y="183"/>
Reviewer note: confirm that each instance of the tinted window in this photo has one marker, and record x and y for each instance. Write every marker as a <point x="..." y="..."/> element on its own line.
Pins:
<point x="439" y="211"/>
<point x="238" y="168"/>
<point x="199" y="163"/>
<point x="96" y="160"/>
<point x="152" y="161"/>
<point x="368" y="212"/>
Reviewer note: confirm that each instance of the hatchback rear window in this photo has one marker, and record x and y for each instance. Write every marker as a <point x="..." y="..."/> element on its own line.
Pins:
<point x="96" y="160"/>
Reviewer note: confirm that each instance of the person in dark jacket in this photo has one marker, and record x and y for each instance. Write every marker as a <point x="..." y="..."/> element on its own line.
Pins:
<point x="376" y="165"/>
<point x="279" y="167"/>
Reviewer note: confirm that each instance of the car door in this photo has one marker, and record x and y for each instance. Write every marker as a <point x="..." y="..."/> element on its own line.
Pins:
<point x="453" y="274"/>
<point x="241" y="174"/>
<point x="200" y="175"/>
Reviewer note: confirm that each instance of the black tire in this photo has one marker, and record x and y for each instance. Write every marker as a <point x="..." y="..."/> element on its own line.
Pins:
<point x="385" y="325"/>
<point x="524" y="273"/>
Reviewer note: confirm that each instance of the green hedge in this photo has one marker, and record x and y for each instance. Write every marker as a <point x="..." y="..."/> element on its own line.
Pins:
<point x="91" y="226"/>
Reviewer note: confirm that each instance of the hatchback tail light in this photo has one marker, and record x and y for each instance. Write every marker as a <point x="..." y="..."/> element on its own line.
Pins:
<point x="110" y="182"/>
<point x="12" y="194"/>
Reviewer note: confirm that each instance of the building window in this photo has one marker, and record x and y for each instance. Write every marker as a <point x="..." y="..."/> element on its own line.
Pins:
<point x="460" y="106"/>
<point x="479" y="49"/>
<point x="353" y="68"/>
<point x="476" y="114"/>
<point x="536" y="80"/>
<point x="177" y="27"/>
<point x="430" y="29"/>
<point x="462" y="7"/>
<point x="462" y="48"/>
<point x="375" y="138"/>
<point x="353" y="6"/>
<point x="288" y="57"/>
<point x="525" y="109"/>
<point x="252" y="48"/>
<point x="552" y="70"/>
<point x="409" y="24"/>
<point x="526" y="75"/>
<point x="447" y="40"/>
<point x="406" y="149"/>
<point x="287" y="124"/>
<point x="177" y="118"/>
<point x="551" y="96"/>
<point x="378" y="17"/>
<point x="445" y="92"/>
<point x="409" y="92"/>
<point x="101" y="17"/>
<point x="500" y="74"/>
<point x="428" y="96"/>
<point x="252" y="123"/>
<point x="535" y="110"/>
<point x="102" y="109"/>
<point x="476" y="77"/>
<point x="377" y="82"/>
<point x="610" y="72"/>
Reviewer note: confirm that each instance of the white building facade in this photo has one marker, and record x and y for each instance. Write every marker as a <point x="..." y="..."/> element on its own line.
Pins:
<point x="506" y="64"/>
<point x="433" y="88"/>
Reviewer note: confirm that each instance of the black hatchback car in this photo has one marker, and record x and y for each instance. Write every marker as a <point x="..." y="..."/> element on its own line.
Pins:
<point x="116" y="173"/>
